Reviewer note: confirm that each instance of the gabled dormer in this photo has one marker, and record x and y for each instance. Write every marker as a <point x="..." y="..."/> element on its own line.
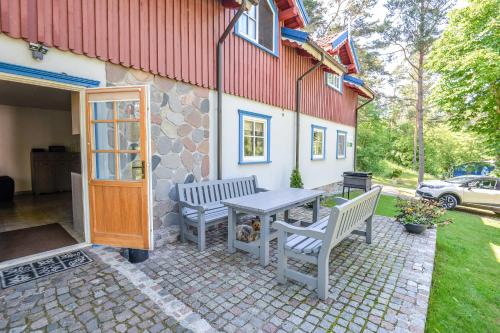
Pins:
<point x="342" y="46"/>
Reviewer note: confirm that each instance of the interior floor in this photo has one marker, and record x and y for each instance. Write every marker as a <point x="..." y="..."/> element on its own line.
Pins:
<point x="29" y="211"/>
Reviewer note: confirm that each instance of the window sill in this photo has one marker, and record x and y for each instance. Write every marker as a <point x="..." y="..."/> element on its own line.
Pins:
<point x="253" y="162"/>
<point x="263" y="48"/>
<point x="318" y="158"/>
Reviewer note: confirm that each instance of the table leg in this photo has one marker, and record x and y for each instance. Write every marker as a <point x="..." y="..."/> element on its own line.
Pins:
<point x="231" y="230"/>
<point x="287" y="215"/>
<point x="264" y="240"/>
<point x="316" y="205"/>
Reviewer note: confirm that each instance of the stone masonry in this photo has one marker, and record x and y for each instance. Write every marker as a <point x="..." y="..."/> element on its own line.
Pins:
<point x="179" y="140"/>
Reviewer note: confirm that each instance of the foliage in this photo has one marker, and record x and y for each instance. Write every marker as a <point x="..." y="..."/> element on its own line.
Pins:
<point x="414" y="211"/>
<point x="396" y="173"/>
<point x="467" y="59"/>
<point x="296" y="179"/>
<point x="315" y="10"/>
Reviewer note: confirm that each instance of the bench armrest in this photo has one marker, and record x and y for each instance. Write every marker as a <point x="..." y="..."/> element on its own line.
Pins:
<point x="198" y="208"/>
<point x="291" y="229"/>
<point x="261" y="189"/>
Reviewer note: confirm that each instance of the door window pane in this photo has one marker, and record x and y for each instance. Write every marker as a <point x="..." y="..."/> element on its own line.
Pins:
<point x="103" y="111"/>
<point x="128" y="110"/>
<point x="104" y="136"/>
<point x="129" y="136"/>
<point x="104" y="166"/>
<point x="130" y="167"/>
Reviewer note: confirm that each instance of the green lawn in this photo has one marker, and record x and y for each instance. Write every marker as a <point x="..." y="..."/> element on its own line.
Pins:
<point x="408" y="178"/>
<point x="465" y="296"/>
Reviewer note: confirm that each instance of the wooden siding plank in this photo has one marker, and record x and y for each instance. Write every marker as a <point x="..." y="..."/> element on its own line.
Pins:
<point x="161" y="37"/>
<point x="88" y="28"/>
<point x="135" y="35"/>
<point x="101" y="30"/>
<point x="113" y="25"/>
<point x="75" y="31"/>
<point x="169" y="37"/>
<point x="144" y="33"/>
<point x="153" y="38"/>
<point x="124" y="33"/>
<point x="177" y="40"/>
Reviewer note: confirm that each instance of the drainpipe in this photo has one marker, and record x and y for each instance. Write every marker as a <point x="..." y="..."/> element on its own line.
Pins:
<point x="298" y="95"/>
<point x="220" y="83"/>
<point x="356" y="132"/>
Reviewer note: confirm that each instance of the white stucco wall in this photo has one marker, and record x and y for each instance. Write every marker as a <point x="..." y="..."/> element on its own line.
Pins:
<point x="15" y="51"/>
<point x="276" y="174"/>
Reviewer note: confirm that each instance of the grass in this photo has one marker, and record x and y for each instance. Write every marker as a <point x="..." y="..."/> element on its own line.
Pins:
<point x="408" y="178"/>
<point x="465" y="296"/>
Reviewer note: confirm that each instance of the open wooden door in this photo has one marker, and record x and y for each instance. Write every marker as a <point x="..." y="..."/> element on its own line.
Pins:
<point x="118" y="166"/>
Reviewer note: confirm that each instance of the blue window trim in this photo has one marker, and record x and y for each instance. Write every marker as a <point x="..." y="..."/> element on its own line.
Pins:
<point x="47" y="75"/>
<point x="276" y="28"/>
<point x="313" y="127"/>
<point x="332" y="87"/>
<point x="345" y="145"/>
<point x="242" y="115"/>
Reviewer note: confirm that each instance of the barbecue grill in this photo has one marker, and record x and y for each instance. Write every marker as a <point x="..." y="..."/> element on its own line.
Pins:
<point x="359" y="180"/>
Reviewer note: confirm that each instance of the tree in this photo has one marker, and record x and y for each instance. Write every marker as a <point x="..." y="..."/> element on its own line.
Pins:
<point x="467" y="59"/>
<point x="315" y="11"/>
<point x="412" y="26"/>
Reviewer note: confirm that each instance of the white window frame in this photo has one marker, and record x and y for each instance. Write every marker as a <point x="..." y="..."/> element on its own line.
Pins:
<point x="255" y="19"/>
<point x="341" y="154"/>
<point x="255" y="118"/>
<point x="243" y="32"/>
<point x="334" y="81"/>
<point x="322" y="130"/>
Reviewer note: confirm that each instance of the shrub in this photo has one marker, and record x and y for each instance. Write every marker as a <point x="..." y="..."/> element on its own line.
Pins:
<point x="396" y="173"/>
<point x="414" y="211"/>
<point x="296" y="179"/>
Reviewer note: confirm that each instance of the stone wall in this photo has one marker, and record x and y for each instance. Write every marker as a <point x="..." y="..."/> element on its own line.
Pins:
<point x="179" y="140"/>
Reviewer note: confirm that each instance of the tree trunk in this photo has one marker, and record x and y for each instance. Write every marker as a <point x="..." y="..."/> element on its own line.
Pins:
<point x="414" y="161"/>
<point x="420" y="117"/>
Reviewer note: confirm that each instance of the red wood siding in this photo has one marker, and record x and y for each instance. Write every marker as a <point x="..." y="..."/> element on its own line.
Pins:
<point x="176" y="39"/>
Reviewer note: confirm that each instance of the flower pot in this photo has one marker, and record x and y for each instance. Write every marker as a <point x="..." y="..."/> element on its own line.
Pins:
<point x="415" y="228"/>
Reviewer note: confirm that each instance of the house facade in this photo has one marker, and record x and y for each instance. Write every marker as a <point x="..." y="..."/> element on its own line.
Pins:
<point x="151" y="65"/>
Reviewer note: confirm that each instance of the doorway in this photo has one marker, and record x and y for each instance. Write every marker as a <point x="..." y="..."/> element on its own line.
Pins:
<point x="41" y="186"/>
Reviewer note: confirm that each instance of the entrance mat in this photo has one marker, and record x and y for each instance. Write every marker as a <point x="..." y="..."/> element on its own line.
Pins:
<point x="20" y="274"/>
<point x="24" y="242"/>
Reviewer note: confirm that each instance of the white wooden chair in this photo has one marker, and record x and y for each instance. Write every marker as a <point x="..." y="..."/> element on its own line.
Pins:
<point x="314" y="243"/>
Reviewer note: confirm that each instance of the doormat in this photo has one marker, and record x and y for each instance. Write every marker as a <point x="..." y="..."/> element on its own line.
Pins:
<point x="20" y="274"/>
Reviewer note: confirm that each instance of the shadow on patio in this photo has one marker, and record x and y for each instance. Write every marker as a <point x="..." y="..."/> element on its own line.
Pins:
<point x="379" y="287"/>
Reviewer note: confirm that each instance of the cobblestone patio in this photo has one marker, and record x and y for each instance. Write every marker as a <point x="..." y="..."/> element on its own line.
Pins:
<point x="373" y="288"/>
<point x="90" y="298"/>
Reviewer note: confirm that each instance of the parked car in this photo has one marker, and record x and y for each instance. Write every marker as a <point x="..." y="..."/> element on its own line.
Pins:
<point x="474" y="191"/>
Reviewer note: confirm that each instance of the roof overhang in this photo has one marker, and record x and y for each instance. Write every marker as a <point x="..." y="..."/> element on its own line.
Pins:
<point x="343" y="46"/>
<point x="359" y="86"/>
<point x="308" y="48"/>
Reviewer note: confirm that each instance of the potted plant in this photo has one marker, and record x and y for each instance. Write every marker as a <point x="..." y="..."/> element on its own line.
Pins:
<point x="418" y="215"/>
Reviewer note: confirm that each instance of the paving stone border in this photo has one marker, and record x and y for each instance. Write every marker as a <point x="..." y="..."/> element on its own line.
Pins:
<point x="170" y="305"/>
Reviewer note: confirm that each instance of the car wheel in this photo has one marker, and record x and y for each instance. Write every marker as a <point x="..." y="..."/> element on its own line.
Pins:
<point x="448" y="201"/>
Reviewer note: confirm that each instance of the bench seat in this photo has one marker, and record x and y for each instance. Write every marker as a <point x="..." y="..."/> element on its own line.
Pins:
<point x="200" y="204"/>
<point x="314" y="243"/>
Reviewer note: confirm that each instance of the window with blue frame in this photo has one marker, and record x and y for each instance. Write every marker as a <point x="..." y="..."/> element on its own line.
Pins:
<point x="318" y="142"/>
<point x="254" y="138"/>
<point x="341" y="144"/>
<point x="260" y="26"/>
<point x="334" y="81"/>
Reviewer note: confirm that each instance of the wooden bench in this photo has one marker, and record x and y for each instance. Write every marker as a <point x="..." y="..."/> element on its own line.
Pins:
<point x="314" y="243"/>
<point x="201" y="207"/>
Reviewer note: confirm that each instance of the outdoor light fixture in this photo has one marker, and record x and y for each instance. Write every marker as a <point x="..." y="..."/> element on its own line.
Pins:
<point x="38" y="50"/>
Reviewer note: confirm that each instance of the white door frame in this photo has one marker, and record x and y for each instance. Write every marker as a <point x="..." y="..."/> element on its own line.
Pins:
<point x="84" y="167"/>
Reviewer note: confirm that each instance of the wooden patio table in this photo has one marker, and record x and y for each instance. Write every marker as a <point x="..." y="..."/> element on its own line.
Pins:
<point x="264" y="205"/>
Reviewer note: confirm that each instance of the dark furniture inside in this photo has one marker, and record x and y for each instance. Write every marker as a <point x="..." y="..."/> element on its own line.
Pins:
<point x="6" y="189"/>
<point x="51" y="171"/>
<point x="359" y="180"/>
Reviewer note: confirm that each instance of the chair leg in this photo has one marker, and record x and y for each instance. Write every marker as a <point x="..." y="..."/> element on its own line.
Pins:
<point x="369" y="224"/>
<point x="201" y="232"/>
<point x="323" y="272"/>
<point x="182" y="229"/>
<point x="282" y="259"/>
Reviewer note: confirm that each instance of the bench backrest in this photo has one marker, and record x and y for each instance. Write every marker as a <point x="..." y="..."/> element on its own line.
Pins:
<point x="347" y="217"/>
<point x="214" y="191"/>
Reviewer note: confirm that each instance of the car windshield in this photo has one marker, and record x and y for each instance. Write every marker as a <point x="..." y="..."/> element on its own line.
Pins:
<point x="460" y="180"/>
